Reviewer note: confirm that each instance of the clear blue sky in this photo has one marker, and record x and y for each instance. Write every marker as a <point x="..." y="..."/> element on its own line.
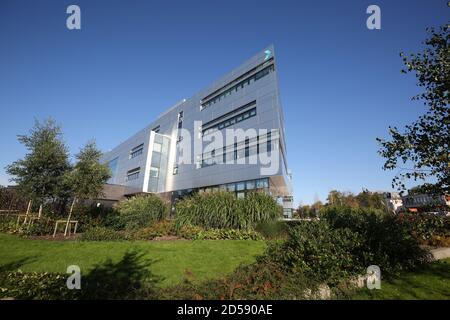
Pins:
<point x="340" y="83"/>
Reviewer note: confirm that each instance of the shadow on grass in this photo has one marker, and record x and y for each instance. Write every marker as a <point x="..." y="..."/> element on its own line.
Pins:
<point x="129" y="278"/>
<point x="16" y="265"/>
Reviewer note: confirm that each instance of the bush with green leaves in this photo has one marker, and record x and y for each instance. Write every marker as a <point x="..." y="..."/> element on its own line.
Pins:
<point x="227" y="234"/>
<point x="273" y="230"/>
<point x="222" y="210"/>
<point x="104" y="234"/>
<point x="34" y="286"/>
<point x="427" y="227"/>
<point x="386" y="241"/>
<point x="262" y="280"/>
<point x="157" y="229"/>
<point x="140" y="211"/>
<point x="318" y="251"/>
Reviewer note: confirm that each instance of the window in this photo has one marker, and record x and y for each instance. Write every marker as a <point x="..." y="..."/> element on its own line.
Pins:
<point x="235" y="152"/>
<point x="213" y="156"/>
<point x="250" y="185"/>
<point x="154" y="172"/>
<point x="133" y="174"/>
<point x="156" y="129"/>
<point x="136" y="151"/>
<point x="262" y="183"/>
<point x="239" y="83"/>
<point x="269" y="141"/>
<point x="247" y="148"/>
<point x="157" y="147"/>
<point x="224" y="154"/>
<point x="230" y="121"/>
<point x="113" y="166"/>
<point x="240" y="186"/>
<point x="257" y="145"/>
<point x="175" y="169"/>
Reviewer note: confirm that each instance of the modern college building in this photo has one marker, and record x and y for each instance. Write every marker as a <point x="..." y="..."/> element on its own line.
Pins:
<point x="228" y="136"/>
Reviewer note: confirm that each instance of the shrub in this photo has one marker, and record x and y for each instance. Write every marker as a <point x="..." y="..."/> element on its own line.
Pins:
<point x="34" y="285"/>
<point x="141" y="211"/>
<point x="262" y="280"/>
<point x="227" y="234"/>
<point x="157" y="229"/>
<point x="103" y="234"/>
<point x="427" y="227"/>
<point x="129" y="278"/>
<point x="8" y="225"/>
<point x="386" y="241"/>
<point x="273" y="229"/>
<point x="188" y="231"/>
<point x="222" y="209"/>
<point x="315" y="249"/>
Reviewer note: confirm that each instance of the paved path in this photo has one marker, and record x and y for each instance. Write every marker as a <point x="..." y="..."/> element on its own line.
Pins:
<point x="441" y="253"/>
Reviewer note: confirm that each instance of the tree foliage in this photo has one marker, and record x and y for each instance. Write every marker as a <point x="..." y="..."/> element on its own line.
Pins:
<point x="425" y="142"/>
<point x="87" y="177"/>
<point x="40" y="173"/>
<point x="364" y="199"/>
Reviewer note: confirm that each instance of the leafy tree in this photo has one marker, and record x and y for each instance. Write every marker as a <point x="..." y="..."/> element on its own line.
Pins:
<point x="88" y="176"/>
<point x="40" y="173"/>
<point x="425" y="142"/>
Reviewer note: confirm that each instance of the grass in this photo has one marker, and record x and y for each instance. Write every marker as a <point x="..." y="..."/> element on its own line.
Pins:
<point x="173" y="259"/>
<point x="430" y="282"/>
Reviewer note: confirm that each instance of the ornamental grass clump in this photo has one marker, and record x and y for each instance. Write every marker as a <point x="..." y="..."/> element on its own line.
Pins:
<point x="141" y="211"/>
<point x="222" y="210"/>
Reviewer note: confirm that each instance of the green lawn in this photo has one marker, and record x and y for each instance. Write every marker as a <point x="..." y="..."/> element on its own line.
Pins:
<point x="430" y="282"/>
<point x="173" y="259"/>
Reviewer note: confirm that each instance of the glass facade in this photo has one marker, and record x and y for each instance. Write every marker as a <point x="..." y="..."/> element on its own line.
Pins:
<point x="239" y="188"/>
<point x="158" y="168"/>
<point x="113" y="168"/>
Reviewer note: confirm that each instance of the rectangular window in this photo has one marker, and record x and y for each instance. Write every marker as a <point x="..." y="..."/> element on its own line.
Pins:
<point x="250" y="185"/>
<point x="157" y="147"/>
<point x="247" y="148"/>
<point x="154" y="172"/>
<point x="247" y="78"/>
<point x="231" y="187"/>
<point x="224" y="154"/>
<point x="133" y="174"/>
<point x="175" y="169"/>
<point x="136" y="151"/>
<point x="269" y="141"/>
<point x="235" y="152"/>
<point x="257" y="144"/>
<point x="262" y="183"/>
<point x="230" y="118"/>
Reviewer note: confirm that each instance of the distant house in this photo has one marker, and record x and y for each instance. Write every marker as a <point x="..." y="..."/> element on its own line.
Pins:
<point x="417" y="201"/>
<point x="393" y="201"/>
